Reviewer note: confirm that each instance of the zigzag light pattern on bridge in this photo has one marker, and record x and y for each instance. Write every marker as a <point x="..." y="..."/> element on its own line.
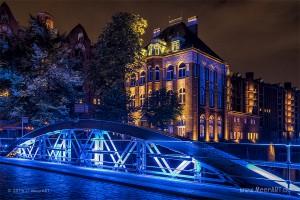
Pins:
<point x="114" y="151"/>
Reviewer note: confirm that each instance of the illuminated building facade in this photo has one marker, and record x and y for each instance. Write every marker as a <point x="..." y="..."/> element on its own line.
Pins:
<point x="243" y="119"/>
<point x="180" y="62"/>
<point x="217" y="104"/>
<point x="271" y="109"/>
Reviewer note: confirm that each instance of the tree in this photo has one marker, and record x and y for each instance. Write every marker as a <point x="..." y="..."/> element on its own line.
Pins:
<point x="118" y="53"/>
<point x="161" y="108"/>
<point x="46" y="90"/>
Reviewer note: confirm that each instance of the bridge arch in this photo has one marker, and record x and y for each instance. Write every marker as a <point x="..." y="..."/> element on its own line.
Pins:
<point x="128" y="148"/>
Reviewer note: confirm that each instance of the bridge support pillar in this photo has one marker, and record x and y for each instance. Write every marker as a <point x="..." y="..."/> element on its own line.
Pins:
<point x="67" y="145"/>
<point x="43" y="147"/>
<point x="98" y="146"/>
<point x="141" y="155"/>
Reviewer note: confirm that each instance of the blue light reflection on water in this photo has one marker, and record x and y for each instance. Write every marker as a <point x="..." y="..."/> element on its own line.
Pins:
<point x="23" y="183"/>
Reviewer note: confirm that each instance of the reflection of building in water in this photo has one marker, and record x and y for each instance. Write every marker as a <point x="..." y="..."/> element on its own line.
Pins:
<point x="271" y="153"/>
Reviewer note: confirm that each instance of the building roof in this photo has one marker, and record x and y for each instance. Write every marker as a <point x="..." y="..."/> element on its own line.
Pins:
<point x="5" y="10"/>
<point x="77" y="29"/>
<point x="191" y="39"/>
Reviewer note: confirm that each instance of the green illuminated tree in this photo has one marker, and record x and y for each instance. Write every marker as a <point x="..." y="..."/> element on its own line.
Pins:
<point x="118" y="52"/>
<point x="161" y="108"/>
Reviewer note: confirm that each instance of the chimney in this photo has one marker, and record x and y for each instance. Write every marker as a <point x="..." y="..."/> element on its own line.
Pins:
<point x="175" y="21"/>
<point x="192" y="24"/>
<point x="156" y="32"/>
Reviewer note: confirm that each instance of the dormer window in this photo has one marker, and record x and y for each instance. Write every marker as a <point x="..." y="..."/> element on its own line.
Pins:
<point x="175" y="45"/>
<point x="49" y="24"/>
<point x="80" y="36"/>
<point x="4" y="18"/>
<point x="156" y="49"/>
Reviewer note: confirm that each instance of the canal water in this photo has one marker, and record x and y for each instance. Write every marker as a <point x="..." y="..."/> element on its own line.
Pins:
<point x="24" y="183"/>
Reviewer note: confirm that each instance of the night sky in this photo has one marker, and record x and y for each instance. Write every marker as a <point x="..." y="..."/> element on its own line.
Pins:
<point x="261" y="36"/>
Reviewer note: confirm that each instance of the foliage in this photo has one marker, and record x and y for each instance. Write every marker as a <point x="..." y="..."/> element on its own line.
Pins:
<point x="118" y="52"/>
<point x="39" y="77"/>
<point x="161" y="108"/>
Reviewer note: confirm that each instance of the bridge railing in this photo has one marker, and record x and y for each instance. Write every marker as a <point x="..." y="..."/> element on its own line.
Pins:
<point x="106" y="151"/>
<point x="279" y="159"/>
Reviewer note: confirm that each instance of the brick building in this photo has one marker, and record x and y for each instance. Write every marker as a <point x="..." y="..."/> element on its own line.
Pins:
<point x="217" y="103"/>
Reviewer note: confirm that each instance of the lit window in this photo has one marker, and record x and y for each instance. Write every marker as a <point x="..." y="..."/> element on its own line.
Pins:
<point x="175" y="45"/>
<point x="132" y="80"/>
<point x="181" y="131"/>
<point x="211" y="127"/>
<point x="49" y="24"/>
<point x="170" y="72"/>
<point x="156" y="50"/>
<point x="150" y="50"/>
<point x="4" y="93"/>
<point x="149" y="93"/>
<point x="182" y="96"/>
<point x="132" y="101"/>
<point x="182" y="70"/>
<point x="96" y="101"/>
<point x="157" y="73"/>
<point x="80" y="36"/>
<point x="150" y="73"/>
<point x="142" y="99"/>
<point x="143" y="78"/>
<point x="202" y="126"/>
<point x="219" y="123"/>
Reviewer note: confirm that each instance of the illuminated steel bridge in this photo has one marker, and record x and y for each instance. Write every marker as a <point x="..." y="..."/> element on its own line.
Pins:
<point x="125" y="149"/>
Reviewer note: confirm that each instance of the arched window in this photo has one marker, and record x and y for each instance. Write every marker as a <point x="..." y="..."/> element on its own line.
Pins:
<point x="142" y="99"/>
<point x="211" y="127"/>
<point x="132" y="101"/>
<point x="182" y="70"/>
<point x="202" y="126"/>
<point x="132" y="80"/>
<point x="143" y="78"/>
<point x="181" y="127"/>
<point x="219" y="124"/>
<point x="156" y="73"/>
<point x="149" y="93"/>
<point x="182" y="96"/>
<point x="150" y="73"/>
<point x="170" y="73"/>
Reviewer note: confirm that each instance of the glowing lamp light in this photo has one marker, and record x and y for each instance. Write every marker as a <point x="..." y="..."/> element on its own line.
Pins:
<point x="4" y="93"/>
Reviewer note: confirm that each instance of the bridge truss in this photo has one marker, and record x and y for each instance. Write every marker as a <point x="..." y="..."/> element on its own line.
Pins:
<point x="118" y="152"/>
